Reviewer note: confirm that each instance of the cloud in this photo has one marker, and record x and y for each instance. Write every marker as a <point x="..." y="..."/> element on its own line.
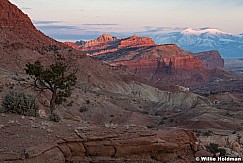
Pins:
<point x="57" y="27"/>
<point x="51" y="27"/>
<point x="37" y="22"/>
<point x="74" y="37"/>
<point x="153" y="30"/>
<point x="26" y="8"/>
<point x="104" y="24"/>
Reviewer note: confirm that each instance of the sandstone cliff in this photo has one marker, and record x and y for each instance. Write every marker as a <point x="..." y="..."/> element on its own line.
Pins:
<point x="72" y="45"/>
<point x="135" y="41"/>
<point x="106" y="43"/>
<point x="166" y="63"/>
<point x="17" y="29"/>
<point x="211" y="59"/>
<point x="160" y="63"/>
<point x="21" y="42"/>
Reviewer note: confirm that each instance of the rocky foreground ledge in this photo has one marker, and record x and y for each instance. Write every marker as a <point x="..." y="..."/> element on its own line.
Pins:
<point x="27" y="139"/>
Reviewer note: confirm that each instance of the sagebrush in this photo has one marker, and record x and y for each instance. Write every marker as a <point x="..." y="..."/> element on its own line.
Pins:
<point x="17" y="102"/>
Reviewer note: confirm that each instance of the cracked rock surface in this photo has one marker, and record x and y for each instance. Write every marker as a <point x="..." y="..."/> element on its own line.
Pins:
<point x="72" y="141"/>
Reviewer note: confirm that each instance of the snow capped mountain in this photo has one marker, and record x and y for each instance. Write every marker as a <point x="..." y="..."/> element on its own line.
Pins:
<point x="211" y="31"/>
<point x="229" y="45"/>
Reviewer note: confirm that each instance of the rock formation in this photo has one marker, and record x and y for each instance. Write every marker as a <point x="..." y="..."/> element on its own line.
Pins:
<point x="108" y="116"/>
<point x="42" y="141"/>
<point x="21" y="42"/>
<point x="106" y="43"/>
<point x="211" y="59"/>
<point x="166" y="63"/>
<point x="135" y="41"/>
<point x="72" y="44"/>
<point x="103" y="39"/>
<point x="17" y="29"/>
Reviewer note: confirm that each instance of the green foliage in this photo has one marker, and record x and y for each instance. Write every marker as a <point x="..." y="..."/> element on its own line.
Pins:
<point x="214" y="148"/>
<point x="57" y="78"/>
<point x="17" y="102"/>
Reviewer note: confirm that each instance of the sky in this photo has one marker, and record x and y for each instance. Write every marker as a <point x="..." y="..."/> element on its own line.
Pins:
<point x="86" y="19"/>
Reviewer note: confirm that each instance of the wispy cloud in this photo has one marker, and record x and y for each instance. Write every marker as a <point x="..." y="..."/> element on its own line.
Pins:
<point x="26" y="8"/>
<point x="52" y="27"/>
<point x="153" y="30"/>
<point x="102" y="24"/>
<point x="37" y="22"/>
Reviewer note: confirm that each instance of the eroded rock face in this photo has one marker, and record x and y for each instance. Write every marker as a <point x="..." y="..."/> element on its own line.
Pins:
<point x="166" y="63"/>
<point x="89" y="143"/>
<point x="21" y="42"/>
<point x="211" y="59"/>
<point x="99" y="42"/>
<point x="11" y="16"/>
<point x="161" y="63"/>
<point x="135" y="41"/>
<point x="107" y="43"/>
<point x="16" y="28"/>
<point x="72" y="45"/>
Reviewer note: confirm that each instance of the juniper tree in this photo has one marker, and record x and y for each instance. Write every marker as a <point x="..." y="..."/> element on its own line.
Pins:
<point x="57" y="78"/>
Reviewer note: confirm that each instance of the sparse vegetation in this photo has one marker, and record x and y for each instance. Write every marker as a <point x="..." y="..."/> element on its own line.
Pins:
<point x="83" y="109"/>
<point x="87" y="101"/>
<point x="145" y="112"/>
<point x="161" y="122"/>
<point x="17" y="102"/>
<point x="208" y="133"/>
<point x="1" y="87"/>
<point x="214" y="148"/>
<point x="70" y="103"/>
<point x="197" y="132"/>
<point x="57" y="78"/>
<point x="54" y="117"/>
<point x="149" y="126"/>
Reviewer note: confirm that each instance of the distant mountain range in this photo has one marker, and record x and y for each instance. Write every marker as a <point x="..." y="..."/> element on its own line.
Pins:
<point x="229" y="45"/>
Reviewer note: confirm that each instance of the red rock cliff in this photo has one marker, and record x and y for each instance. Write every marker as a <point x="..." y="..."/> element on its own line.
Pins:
<point x="107" y="43"/>
<point x="167" y="63"/>
<point x="135" y="41"/>
<point x="158" y="56"/>
<point x="16" y="27"/>
<point x="211" y="59"/>
<point x="72" y="45"/>
<point x="100" y="40"/>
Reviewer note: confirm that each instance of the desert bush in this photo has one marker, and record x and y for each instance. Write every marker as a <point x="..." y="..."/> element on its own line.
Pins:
<point x="70" y="103"/>
<point x="161" y="122"/>
<point x="208" y="133"/>
<point x="214" y="148"/>
<point x="83" y="109"/>
<point x="16" y="102"/>
<point x="87" y="101"/>
<point x="54" y="117"/>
